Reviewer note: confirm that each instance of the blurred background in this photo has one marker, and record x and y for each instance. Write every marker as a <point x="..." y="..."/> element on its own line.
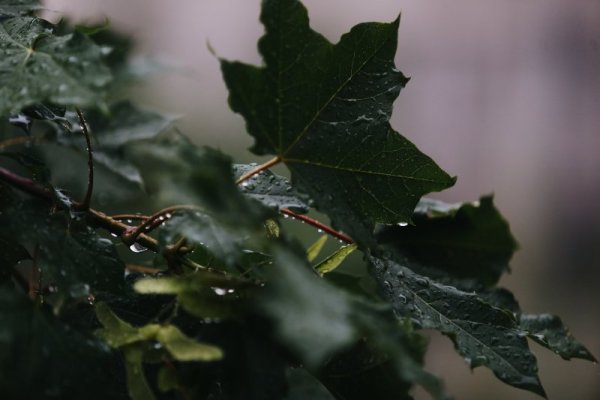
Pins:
<point x="505" y="94"/>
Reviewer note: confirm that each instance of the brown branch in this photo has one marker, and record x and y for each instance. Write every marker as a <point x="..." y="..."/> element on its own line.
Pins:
<point x="90" y="186"/>
<point x="258" y="170"/>
<point x="318" y="225"/>
<point x="100" y="219"/>
<point x="25" y="184"/>
<point x="129" y="216"/>
<point x="152" y="222"/>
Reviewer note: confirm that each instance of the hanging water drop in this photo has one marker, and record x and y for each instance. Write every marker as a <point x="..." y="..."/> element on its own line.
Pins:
<point x="137" y="248"/>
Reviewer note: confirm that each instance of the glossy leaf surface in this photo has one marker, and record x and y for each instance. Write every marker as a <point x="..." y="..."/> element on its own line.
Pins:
<point x="469" y="241"/>
<point x="482" y="334"/>
<point x="324" y="109"/>
<point x="272" y="190"/>
<point x="36" y="66"/>
<point x="549" y="331"/>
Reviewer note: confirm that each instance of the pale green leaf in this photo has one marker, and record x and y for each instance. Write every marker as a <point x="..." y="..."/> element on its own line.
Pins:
<point x="314" y="250"/>
<point x="183" y="348"/>
<point x="335" y="259"/>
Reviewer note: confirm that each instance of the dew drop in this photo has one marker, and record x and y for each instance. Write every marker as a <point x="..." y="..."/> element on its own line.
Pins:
<point x="137" y="248"/>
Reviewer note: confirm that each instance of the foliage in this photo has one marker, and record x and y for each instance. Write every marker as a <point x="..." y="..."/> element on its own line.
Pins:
<point x="215" y="297"/>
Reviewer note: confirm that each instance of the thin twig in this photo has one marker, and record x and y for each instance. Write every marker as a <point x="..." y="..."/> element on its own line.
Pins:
<point x="16" y="141"/>
<point x="130" y="216"/>
<point x="318" y="225"/>
<point x="90" y="186"/>
<point x="258" y="170"/>
<point x="25" y="184"/>
<point x="155" y="220"/>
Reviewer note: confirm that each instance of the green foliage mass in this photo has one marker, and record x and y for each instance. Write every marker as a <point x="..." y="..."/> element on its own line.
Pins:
<point x="180" y="278"/>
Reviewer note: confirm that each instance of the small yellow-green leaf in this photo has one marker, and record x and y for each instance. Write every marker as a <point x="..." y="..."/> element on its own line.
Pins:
<point x="272" y="228"/>
<point x="207" y="304"/>
<point x="314" y="250"/>
<point x="149" y="332"/>
<point x="184" y="348"/>
<point x="335" y="259"/>
<point x="137" y="385"/>
<point x="159" y="286"/>
<point x="116" y="332"/>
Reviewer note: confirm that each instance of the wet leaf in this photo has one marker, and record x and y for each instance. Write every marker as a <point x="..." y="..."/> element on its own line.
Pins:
<point x="549" y="331"/>
<point x="272" y="190"/>
<point x="482" y="334"/>
<point x="69" y="252"/>
<point x="11" y="253"/>
<point x="43" y="357"/>
<point x="14" y="8"/>
<point x="469" y="241"/>
<point x="324" y="109"/>
<point x="312" y="317"/>
<point x="126" y="123"/>
<point x="176" y="171"/>
<point x="37" y="66"/>
<point x="317" y="320"/>
<point x="335" y="259"/>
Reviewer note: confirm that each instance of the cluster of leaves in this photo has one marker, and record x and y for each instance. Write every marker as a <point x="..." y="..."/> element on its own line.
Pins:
<point x="212" y="296"/>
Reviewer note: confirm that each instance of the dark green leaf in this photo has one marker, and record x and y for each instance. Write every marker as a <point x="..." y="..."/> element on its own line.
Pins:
<point x="43" y="358"/>
<point x="126" y="123"/>
<point x="316" y="319"/>
<point x="70" y="254"/>
<point x="37" y="66"/>
<point x="272" y="190"/>
<point x="469" y="241"/>
<point x="11" y="253"/>
<point x="44" y="112"/>
<point x="324" y="109"/>
<point x="303" y="386"/>
<point x="549" y="331"/>
<point x="483" y="334"/>
<point x="312" y="316"/>
<point x="363" y="372"/>
<point x="13" y="8"/>
<point x="178" y="172"/>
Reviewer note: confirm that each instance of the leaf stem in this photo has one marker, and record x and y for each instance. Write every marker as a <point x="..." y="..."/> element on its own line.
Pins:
<point x="99" y="218"/>
<point x="258" y="170"/>
<point x="130" y="216"/>
<point x="327" y="229"/>
<point x="90" y="186"/>
<point x="152" y="222"/>
<point x="16" y="141"/>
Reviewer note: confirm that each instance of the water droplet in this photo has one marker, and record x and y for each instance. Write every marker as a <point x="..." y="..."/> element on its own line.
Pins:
<point x="137" y="248"/>
<point x="79" y="290"/>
